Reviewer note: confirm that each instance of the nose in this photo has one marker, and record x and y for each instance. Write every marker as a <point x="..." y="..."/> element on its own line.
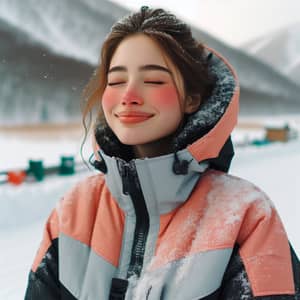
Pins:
<point x="131" y="97"/>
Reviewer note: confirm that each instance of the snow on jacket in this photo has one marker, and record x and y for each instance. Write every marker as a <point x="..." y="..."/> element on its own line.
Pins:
<point x="173" y="227"/>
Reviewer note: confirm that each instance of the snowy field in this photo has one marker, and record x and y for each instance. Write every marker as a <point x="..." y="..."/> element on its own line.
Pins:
<point x="274" y="168"/>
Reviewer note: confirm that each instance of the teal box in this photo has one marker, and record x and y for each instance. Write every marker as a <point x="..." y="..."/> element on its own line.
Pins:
<point x="67" y="165"/>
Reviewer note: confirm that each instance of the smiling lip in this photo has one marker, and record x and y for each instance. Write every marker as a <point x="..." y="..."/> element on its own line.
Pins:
<point x="130" y="117"/>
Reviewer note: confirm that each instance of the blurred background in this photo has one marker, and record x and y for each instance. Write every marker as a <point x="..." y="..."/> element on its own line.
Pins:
<point x="48" y="52"/>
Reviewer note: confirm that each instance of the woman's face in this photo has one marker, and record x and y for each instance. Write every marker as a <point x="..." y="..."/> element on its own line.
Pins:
<point x="141" y="102"/>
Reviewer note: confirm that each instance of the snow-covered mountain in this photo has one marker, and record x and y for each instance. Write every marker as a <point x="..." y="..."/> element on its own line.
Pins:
<point x="280" y="49"/>
<point x="264" y="90"/>
<point x="49" y="49"/>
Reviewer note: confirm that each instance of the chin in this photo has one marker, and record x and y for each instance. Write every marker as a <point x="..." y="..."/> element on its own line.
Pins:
<point x="134" y="140"/>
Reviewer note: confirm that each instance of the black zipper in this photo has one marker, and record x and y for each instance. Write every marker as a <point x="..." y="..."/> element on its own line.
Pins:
<point x="131" y="186"/>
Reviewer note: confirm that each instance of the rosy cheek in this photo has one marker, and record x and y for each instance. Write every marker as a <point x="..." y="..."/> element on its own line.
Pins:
<point x="164" y="97"/>
<point x="110" y="98"/>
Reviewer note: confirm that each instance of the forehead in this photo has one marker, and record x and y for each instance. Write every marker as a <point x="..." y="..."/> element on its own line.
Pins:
<point x="137" y="50"/>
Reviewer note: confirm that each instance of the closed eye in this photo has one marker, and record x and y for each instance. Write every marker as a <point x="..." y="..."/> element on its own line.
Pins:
<point x="154" y="82"/>
<point x="115" y="83"/>
<point x="147" y="82"/>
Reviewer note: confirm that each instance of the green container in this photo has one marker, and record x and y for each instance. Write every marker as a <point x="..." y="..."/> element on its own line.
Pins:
<point x="36" y="168"/>
<point x="67" y="165"/>
<point x="260" y="142"/>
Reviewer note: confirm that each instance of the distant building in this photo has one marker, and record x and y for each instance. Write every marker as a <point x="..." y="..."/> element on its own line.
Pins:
<point x="280" y="133"/>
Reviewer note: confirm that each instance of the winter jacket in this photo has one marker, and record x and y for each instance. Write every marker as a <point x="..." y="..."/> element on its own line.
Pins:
<point x="173" y="227"/>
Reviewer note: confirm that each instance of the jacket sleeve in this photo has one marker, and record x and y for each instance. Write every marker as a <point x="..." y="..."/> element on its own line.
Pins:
<point x="263" y="265"/>
<point x="236" y="284"/>
<point x="43" y="280"/>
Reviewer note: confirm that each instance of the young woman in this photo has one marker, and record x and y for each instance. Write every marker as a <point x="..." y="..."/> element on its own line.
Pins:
<point x="164" y="220"/>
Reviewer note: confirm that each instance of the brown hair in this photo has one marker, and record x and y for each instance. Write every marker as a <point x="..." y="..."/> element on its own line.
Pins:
<point x="172" y="35"/>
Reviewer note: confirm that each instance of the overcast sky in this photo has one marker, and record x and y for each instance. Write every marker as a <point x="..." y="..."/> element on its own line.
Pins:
<point x="233" y="21"/>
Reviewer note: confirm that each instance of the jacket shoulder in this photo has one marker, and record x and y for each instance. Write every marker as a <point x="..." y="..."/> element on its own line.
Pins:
<point x="237" y="190"/>
<point x="85" y="192"/>
<point x="247" y="213"/>
<point x="78" y="207"/>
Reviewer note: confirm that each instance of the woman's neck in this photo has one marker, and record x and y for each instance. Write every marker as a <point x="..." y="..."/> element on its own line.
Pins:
<point x="153" y="149"/>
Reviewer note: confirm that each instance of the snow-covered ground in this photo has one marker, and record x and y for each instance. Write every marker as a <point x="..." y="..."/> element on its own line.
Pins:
<point x="24" y="208"/>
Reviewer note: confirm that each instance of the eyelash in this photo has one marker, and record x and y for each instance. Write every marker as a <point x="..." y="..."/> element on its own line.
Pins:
<point x="114" y="83"/>
<point x="154" y="82"/>
<point x="149" y="82"/>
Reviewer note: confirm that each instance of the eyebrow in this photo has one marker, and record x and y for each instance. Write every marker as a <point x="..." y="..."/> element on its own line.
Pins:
<point x="142" y="68"/>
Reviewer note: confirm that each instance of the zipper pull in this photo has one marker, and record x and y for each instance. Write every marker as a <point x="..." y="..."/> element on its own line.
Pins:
<point x="125" y="175"/>
<point x="126" y="180"/>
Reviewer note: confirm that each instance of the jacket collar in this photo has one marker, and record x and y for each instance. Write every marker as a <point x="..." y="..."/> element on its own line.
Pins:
<point x="162" y="189"/>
